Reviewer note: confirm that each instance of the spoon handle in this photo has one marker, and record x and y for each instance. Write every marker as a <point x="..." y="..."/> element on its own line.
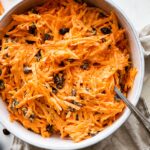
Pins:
<point x="133" y="109"/>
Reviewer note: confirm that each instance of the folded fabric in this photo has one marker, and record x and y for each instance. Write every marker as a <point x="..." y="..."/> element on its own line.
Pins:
<point x="145" y="39"/>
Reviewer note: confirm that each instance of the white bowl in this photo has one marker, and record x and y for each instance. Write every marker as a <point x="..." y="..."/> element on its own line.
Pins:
<point x="56" y="142"/>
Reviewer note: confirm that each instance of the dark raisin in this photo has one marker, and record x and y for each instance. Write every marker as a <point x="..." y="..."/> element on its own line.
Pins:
<point x="87" y="89"/>
<point x="62" y="64"/>
<point x="122" y="86"/>
<point x="109" y="46"/>
<point x="117" y="98"/>
<point x="102" y="15"/>
<point x="5" y="47"/>
<point x="6" y="132"/>
<point x="85" y="65"/>
<point x="81" y="97"/>
<point x="2" y="85"/>
<point x="70" y="60"/>
<point x="105" y="30"/>
<point x="127" y="68"/>
<point x="0" y="71"/>
<point x="96" y="64"/>
<point x="96" y="113"/>
<point x="5" y="56"/>
<point x="63" y="31"/>
<point x="79" y="1"/>
<point x="32" y="29"/>
<point x="30" y="42"/>
<point x="54" y="90"/>
<point x="32" y="117"/>
<point x="93" y="31"/>
<point x="73" y="92"/>
<point x="38" y="55"/>
<point x="120" y="26"/>
<point x="24" y="110"/>
<point x="34" y="11"/>
<point x="77" y="103"/>
<point x="13" y="28"/>
<point x="6" y="35"/>
<point x="92" y="134"/>
<point x="49" y="128"/>
<point x="27" y="70"/>
<point x="103" y="92"/>
<point x="71" y="109"/>
<point x="47" y="37"/>
<point x="14" y="104"/>
<point x="103" y="40"/>
<point x="77" y="117"/>
<point x="8" y="71"/>
<point x="59" y="80"/>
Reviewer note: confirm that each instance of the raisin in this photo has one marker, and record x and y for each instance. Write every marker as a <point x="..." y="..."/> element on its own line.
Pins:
<point x="96" y="64"/>
<point x="73" y="92"/>
<point x="127" y="68"/>
<point x="54" y="90"/>
<point x="77" y="103"/>
<point x="71" y="109"/>
<point x="92" y="134"/>
<point x="24" y="110"/>
<point x="77" y="117"/>
<point x="103" y="40"/>
<point x="6" y="47"/>
<point x="79" y="1"/>
<point x="47" y="37"/>
<point x="105" y="30"/>
<point x="5" y="56"/>
<point x="32" y="117"/>
<point x="6" y="35"/>
<point x="93" y="31"/>
<point x="30" y="42"/>
<point x="63" y="31"/>
<point x="85" y="65"/>
<point x="32" y="29"/>
<point x="14" y="104"/>
<point x="27" y="70"/>
<point x="49" y="128"/>
<point x="8" y="71"/>
<point x="59" y="80"/>
<point x="62" y="64"/>
<point x="103" y="92"/>
<point x="34" y="11"/>
<point x="38" y="55"/>
<point x="2" y="85"/>
<point x="6" y="132"/>
<point x="102" y="15"/>
<point x="0" y="71"/>
<point x="70" y="60"/>
<point x="117" y="98"/>
<point x="13" y="28"/>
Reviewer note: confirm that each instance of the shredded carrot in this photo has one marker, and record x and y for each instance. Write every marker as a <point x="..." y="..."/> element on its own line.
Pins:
<point x="59" y="63"/>
<point x="1" y="8"/>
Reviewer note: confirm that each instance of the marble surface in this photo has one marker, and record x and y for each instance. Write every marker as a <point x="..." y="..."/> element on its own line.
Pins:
<point x="139" y="13"/>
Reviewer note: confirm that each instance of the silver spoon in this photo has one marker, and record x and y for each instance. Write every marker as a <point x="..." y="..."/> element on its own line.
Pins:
<point x="133" y="109"/>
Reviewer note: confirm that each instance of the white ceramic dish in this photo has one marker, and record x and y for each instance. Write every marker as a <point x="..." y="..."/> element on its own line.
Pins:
<point x="55" y="142"/>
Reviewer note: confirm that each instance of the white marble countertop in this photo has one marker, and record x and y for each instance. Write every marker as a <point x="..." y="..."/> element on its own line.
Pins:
<point x="138" y="12"/>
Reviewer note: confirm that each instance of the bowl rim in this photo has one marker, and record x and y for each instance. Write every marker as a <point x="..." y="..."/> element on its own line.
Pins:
<point x="117" y="124"/>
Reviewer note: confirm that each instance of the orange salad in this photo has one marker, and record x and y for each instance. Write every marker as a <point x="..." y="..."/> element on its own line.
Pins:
<point x="59" y="63"/>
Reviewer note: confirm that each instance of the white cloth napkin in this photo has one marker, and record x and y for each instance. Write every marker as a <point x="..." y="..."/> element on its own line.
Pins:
<point x="145" y="39"/>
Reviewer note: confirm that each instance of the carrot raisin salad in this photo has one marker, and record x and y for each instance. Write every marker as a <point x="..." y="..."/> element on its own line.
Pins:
<point x="59" y="63"/>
